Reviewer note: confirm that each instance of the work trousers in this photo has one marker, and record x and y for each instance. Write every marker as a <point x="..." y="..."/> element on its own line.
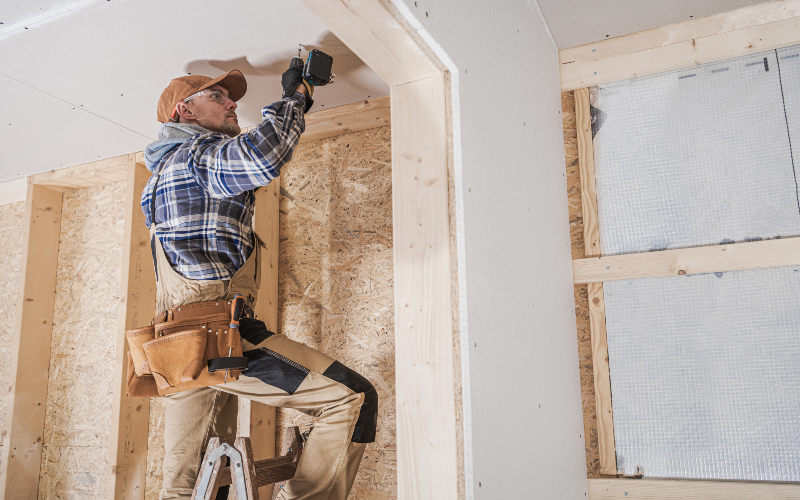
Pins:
<point x="288" y="374"/>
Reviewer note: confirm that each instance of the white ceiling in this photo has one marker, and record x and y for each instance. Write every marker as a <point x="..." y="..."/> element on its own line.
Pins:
<point x="576" y="22"/>
<point x="83" y="85"/>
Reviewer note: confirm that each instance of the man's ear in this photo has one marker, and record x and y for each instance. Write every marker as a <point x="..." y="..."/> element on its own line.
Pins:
<point x="184" y="112"/>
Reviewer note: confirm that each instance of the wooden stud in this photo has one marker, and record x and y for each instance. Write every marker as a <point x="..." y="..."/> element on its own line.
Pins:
<point x="597" y="308"/>
<point x="257" y="420"/>
<point x="426" y="426"/>
<point x="698" y="260"/>
<point x="671" y="489"/>
<point x="736" y="33"/>
<point x="95" y="173"/>
<point x="346" y="119"/>
<point x="33" y="329"/>
<point x="130" y="416"/>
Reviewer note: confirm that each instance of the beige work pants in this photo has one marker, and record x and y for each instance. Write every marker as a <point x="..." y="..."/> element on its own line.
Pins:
<point x="330" y="460"/>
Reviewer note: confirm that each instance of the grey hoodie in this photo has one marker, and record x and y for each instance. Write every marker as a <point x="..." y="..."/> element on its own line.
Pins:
<point x="170" y="136"/>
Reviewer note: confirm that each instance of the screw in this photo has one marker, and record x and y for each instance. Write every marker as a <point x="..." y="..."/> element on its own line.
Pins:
<point x="238" y="465"/>
<point x="210" y="464"/>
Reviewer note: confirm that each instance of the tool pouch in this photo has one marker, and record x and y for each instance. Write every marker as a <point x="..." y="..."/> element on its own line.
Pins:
<point x="139" y="386"/>
<point x="176" y="355"/>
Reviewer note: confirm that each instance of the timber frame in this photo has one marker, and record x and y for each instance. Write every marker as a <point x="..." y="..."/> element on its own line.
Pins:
<point x="744" y="31"/>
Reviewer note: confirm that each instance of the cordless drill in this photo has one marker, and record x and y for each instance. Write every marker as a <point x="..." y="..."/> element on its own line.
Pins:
<point x="316" y="69"/>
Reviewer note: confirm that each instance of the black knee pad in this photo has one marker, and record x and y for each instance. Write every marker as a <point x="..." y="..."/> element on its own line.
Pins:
<point x="254" y="330"/>
<point x="367" y="422"/>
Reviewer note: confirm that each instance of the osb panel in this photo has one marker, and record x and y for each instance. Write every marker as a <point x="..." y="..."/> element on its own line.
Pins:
<point x="155" y="449"/>
<point x="581" y="293"/>
<point x="336" y="290"/>
<point x="11" y="222"/>
<point x="81" y="373"/>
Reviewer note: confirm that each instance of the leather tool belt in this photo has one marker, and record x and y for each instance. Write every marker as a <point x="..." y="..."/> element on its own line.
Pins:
<point x="186" y="347"/>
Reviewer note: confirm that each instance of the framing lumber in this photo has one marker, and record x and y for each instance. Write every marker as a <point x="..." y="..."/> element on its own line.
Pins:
<point x="670" y="489"/>
<point x="95" y="173"/>
<point x="597" y="307"/>
<point x="13" y="191"/>
<point x="131" y="416"/>
<point x="256" y="420"/>
<point x="33" y="329"/>
<point x="361" y="115"/>
<point x="426" y="433"/>
<point x="736" y="33"/>
<point x="697" y="260"/>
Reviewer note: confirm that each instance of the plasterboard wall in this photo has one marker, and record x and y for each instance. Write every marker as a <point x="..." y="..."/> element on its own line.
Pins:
<point x="524" y="429"/>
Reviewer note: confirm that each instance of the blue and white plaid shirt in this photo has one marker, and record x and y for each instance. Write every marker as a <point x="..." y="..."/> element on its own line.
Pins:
<point x="206" y="182"/>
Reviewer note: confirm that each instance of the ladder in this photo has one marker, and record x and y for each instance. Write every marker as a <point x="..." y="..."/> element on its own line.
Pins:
<point x="245" y="475"/>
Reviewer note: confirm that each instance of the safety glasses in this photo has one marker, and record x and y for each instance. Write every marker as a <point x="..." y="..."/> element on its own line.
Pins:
<point x="212" y="95"/>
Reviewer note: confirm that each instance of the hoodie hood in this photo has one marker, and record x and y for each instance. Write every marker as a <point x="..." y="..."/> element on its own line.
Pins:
<point x="170" y="136"/>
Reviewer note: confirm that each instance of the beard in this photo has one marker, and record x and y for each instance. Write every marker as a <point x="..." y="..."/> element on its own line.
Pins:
<point x="228" y="128"/>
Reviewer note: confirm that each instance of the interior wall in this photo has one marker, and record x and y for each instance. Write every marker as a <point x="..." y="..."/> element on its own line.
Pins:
<point x="12" y="217"/>
<point x="524" y="420"/>
<point x="81" y="373"/>
<point x="336" y="288"/>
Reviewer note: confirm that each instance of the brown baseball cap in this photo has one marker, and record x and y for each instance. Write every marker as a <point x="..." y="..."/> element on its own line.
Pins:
<point x="180" y="88"/>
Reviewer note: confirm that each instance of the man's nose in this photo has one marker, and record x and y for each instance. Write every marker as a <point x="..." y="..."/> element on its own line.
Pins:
<point x="231" y="105"/>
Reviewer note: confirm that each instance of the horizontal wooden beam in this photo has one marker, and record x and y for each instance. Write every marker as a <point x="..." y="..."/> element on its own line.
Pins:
<point x="698" y="260"/>
<point x="355" y="117"/>
<point x="94" y="173"/>
<point x="731" y="34"/>
<point x="670" y="489"/>
<point x="13" y="191"/>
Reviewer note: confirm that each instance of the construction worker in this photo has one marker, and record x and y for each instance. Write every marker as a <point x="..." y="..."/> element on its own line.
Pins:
<point x="199" y="208"/>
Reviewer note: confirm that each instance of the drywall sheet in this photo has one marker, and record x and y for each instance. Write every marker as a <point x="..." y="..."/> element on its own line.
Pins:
<point x="81" y="374"/>
<point x="700" y="156"/>
<point x="705" y="374"/>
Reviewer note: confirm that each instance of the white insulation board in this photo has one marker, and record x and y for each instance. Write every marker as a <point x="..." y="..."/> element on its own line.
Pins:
<point x="700" y="156"/>
<point x="705" y="374"/>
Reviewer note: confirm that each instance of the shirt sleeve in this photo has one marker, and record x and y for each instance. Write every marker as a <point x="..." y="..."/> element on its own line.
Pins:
<point x="226" y="167"/>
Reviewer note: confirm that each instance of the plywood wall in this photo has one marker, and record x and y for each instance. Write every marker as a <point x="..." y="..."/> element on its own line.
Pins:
<point x="581" y="293"/>
<point x="336" y="277"/>
<point x="336" y="284"/>
<point x="11" y="222"/>
<point x="79" y="393"/>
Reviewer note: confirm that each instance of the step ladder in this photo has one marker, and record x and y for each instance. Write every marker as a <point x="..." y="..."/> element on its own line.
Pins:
<point x="244" y="474"/>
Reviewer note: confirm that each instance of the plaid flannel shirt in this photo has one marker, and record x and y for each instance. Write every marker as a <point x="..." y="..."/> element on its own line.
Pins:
<point x="205" y="194"/>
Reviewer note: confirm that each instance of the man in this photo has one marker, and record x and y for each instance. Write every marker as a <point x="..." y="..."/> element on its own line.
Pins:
<point x="199" y="207"/>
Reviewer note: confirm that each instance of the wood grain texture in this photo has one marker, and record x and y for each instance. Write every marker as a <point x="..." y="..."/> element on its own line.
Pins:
<point x="597" y="311"/>
<point x="740" y="32"/>
<point x="257" y="421"/>
<point x="602" y="380"/>
<point x="22" y="443"/>
<point x="425" y="382"/>
<point x="670" y="34"/>
<point x="130" y="417"/>
<point x="585" y="361"/>
<point x="583" y="126"/>
<point x="697" y="260"/>
<point x="13" y="191"/>
<point x="355" y="117"/>
<point x="94" y="173"/>
<point x="370" y="30"/>
<point x="662" y="489"/>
